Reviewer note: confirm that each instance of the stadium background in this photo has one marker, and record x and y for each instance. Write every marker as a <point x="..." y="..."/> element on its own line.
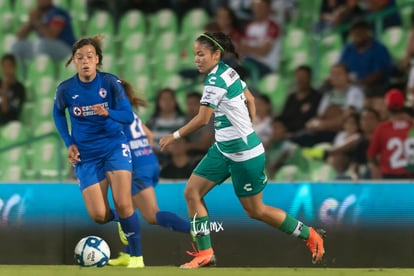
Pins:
<point x="42" y="214"/>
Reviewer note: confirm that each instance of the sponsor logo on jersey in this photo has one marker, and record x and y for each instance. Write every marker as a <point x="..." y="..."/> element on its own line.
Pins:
<point x="83" y="111"/>
<point x="75" y="97"/>
<point x="212" y="80"/>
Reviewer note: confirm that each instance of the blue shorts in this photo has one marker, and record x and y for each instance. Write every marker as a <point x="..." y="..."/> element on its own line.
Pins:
<point x="144" y="177"/>
<point x="92" y="171"/>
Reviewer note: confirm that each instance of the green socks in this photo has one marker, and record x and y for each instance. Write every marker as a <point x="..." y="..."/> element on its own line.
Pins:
<point x="294" y="227"/>
<point x="200" y="231"/>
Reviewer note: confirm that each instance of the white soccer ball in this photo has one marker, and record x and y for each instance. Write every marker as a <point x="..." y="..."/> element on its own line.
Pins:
<point x="92" y="251"/>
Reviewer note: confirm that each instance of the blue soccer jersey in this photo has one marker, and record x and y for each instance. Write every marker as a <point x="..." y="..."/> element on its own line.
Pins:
<point x="145" y="165"/>
<point x="94" y="135"/>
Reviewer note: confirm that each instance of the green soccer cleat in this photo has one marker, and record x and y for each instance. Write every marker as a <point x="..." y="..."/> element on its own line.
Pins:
<point x="122" y="236"/>
<point x="122" y="260"/>
<point x="136" y="262"/>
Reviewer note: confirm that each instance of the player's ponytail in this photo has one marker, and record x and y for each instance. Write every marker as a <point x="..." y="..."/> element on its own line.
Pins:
<point x="134" y="99"/>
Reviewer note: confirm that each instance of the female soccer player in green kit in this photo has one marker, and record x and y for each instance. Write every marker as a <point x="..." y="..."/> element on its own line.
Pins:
<point x="237" y="152"/>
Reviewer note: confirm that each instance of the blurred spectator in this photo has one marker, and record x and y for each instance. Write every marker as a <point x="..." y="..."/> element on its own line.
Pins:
<point x="180" y="165"/>
<point x="369" y="120"/>
<point x="262" y="122"/>
<point x="224" y="21"/>
<point x="377" y="9"/>
<point x="198" y="142"/>
<point x="13" y="94"/>
<point x="327" y="14"/>
<point x="229" y="24"/>
<point x="344" y="144"/>
<point x="261" y="45"/>
<point x="55" y="35"/>
<point x="284" y="11"/>
<point x="407" y="63"/>
<point x="390" y="146"/>
<point x="166" y="118"/>
<point x="338" y="101"/>
<point x="280" y="151"/>
<point x="347" y="13"/>
<point x="302" y="104"/>
<point x="368" y="61"/>
<point x="242" y="9"/>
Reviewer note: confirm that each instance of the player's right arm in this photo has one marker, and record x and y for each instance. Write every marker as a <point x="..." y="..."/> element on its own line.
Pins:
<point x="59" y="116"/>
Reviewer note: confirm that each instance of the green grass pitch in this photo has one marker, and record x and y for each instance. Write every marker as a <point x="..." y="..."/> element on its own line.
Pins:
<point x="66" y="270"/>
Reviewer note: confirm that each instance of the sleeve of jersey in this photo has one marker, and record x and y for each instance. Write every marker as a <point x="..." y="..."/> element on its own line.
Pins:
<point x="59" y="116"/>
<point x="213" y="91"/>
<point x="122" y="112"/>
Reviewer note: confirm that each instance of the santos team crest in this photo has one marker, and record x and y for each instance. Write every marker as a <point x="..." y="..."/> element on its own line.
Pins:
<point x="103" y="92"/>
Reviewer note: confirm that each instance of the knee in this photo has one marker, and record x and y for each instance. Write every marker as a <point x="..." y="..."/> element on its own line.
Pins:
<point x="254" y="213"/>
<point x="191" y="194"/>
<point x="124" y="209"/>
<point x="150" y="217"/>
<point x="100" y="218"/>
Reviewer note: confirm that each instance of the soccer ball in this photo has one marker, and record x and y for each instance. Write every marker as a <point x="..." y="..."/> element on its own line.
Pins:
<point x="92" y="251"/>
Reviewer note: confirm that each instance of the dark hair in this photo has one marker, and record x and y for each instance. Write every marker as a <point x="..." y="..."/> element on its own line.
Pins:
<point x="279" y="119"/>
<point x="133" y="98"/>
<point x="9" y="57"/>
<point x="193" y="94"/>
<point x="355" y="116"/>
<point x="341" y="65"/>
<point x="95" y="41"/>
<point x="305" y="68"/>
<point x="157" y="100"/>
<point x="373" y="111"/>
<point x="235" y="22"/>
<point x="264" y="98"/>
<point x="218" y="42"/>
<point x="360" y="23"/>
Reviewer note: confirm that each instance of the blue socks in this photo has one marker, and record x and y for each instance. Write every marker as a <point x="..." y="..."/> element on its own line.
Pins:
<point x="172" y="221"/>
<point x="130" y="226"/>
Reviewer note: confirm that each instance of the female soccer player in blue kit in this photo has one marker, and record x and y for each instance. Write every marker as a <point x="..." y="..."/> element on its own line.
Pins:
<point x="237" y="152"/>
<point x="97" y="147"/>
<point x="145" y="176"/>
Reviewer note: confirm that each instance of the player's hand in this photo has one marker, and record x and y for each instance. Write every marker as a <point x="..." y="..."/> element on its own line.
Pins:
<point x="165" y="141"/>
<point x="73" y="154"/>
<point x="100" y="110"/>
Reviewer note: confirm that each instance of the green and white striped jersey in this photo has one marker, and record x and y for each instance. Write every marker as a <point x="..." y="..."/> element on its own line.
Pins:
<point x="234" y="133"/>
